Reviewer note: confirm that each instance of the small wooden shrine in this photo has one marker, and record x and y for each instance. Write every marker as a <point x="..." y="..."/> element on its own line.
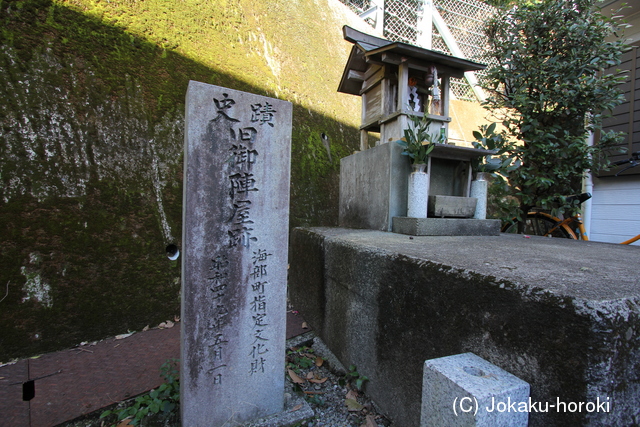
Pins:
<point x="395" y="81"/>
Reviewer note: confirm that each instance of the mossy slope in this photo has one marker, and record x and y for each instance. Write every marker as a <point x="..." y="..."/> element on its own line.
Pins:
<point x="91" y="106"/>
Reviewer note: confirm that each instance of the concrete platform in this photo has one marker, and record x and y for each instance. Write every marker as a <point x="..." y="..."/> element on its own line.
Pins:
<point x="560" y="314"/>
<point x="446" y="226"/>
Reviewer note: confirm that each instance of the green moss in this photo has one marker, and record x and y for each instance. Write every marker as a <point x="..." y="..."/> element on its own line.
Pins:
<point x="91" y="98"/>
<point x="107" y="271"/>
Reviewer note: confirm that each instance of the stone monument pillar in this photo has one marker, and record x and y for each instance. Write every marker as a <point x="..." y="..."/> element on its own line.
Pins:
<point x="234" y="267"/>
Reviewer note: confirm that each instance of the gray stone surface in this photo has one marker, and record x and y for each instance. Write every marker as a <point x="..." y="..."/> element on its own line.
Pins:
<point x="452" y="206"/>
<point x="235" y="240"/>
<point x="562" y="315"/>
<point x="296" y="409"/>
<point x="373" y="187"/>
<point x="446" y="226"/>
<point x="417" y="194"/>
<point x="479" y="191"/>
<point x="466" y="390"/>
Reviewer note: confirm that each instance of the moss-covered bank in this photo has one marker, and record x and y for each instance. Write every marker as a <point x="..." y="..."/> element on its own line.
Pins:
<point x="91" y="108"/>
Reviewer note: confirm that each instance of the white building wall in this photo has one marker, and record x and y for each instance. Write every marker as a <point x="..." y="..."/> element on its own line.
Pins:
<point x="615" y="215"/>
<point x="615" y="206"/>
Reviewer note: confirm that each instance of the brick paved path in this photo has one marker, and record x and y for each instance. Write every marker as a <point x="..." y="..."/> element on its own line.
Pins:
<point x="71" y="383"/>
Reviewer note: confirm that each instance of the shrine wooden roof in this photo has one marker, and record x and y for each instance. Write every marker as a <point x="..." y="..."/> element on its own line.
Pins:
<point x="369" y="49"/>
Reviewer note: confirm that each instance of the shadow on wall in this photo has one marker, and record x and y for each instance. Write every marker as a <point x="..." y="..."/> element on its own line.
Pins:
<point x="91" y="171"/>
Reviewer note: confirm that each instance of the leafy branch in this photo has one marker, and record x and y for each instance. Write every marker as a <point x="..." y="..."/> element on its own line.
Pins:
<point x="498" y="161"/>
<point x="418" y="141"/>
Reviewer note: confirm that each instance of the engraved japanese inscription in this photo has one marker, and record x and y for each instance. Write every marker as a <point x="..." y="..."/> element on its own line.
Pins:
<point x="235" y="236"/>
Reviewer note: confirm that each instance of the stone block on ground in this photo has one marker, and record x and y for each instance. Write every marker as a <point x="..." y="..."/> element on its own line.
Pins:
<point x="466" y="390"/>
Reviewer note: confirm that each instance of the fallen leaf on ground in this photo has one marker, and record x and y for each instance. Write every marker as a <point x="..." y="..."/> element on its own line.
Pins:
<point x="353" y="405"/>
<point x="352" y="394"/>
<point x="317" y="381"/>
<point x="319" y="361"/>
<point x="145" y="329"/>
<point x="295" y="378"/>
<point x="295" y="408"/>
<point x="310" y="375"/>
<point x="123" y="336"/>
<point x="124" y="423"/>
<point x="370" y="421"/>
<point x="166" y="325"/>
<point x="304" y="325"/>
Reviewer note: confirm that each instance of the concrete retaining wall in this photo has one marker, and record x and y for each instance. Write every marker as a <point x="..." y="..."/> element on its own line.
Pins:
<point x="562" y="315"/>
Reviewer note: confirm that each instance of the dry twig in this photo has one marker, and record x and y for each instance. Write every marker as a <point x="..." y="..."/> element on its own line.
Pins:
<point x="7" y="294"/>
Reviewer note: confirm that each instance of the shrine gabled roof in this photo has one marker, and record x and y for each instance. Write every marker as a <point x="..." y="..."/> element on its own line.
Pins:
<point x="368" y="48"/>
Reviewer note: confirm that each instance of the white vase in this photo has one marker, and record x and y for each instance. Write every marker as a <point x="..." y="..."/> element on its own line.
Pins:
<point x="479" y="191"/>
<point x="418" y="196"/>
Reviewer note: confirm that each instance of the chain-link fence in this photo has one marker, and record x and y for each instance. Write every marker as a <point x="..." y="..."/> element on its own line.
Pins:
<point x="358" y="6"/>
<point x="401" y="20"/>
<point x="464" y="18"/>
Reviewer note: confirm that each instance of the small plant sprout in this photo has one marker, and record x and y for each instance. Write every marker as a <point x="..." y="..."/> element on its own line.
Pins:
<point x="300" y="358"/>
<point x="161" y="401"/>
<point x="355" y="378"/>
